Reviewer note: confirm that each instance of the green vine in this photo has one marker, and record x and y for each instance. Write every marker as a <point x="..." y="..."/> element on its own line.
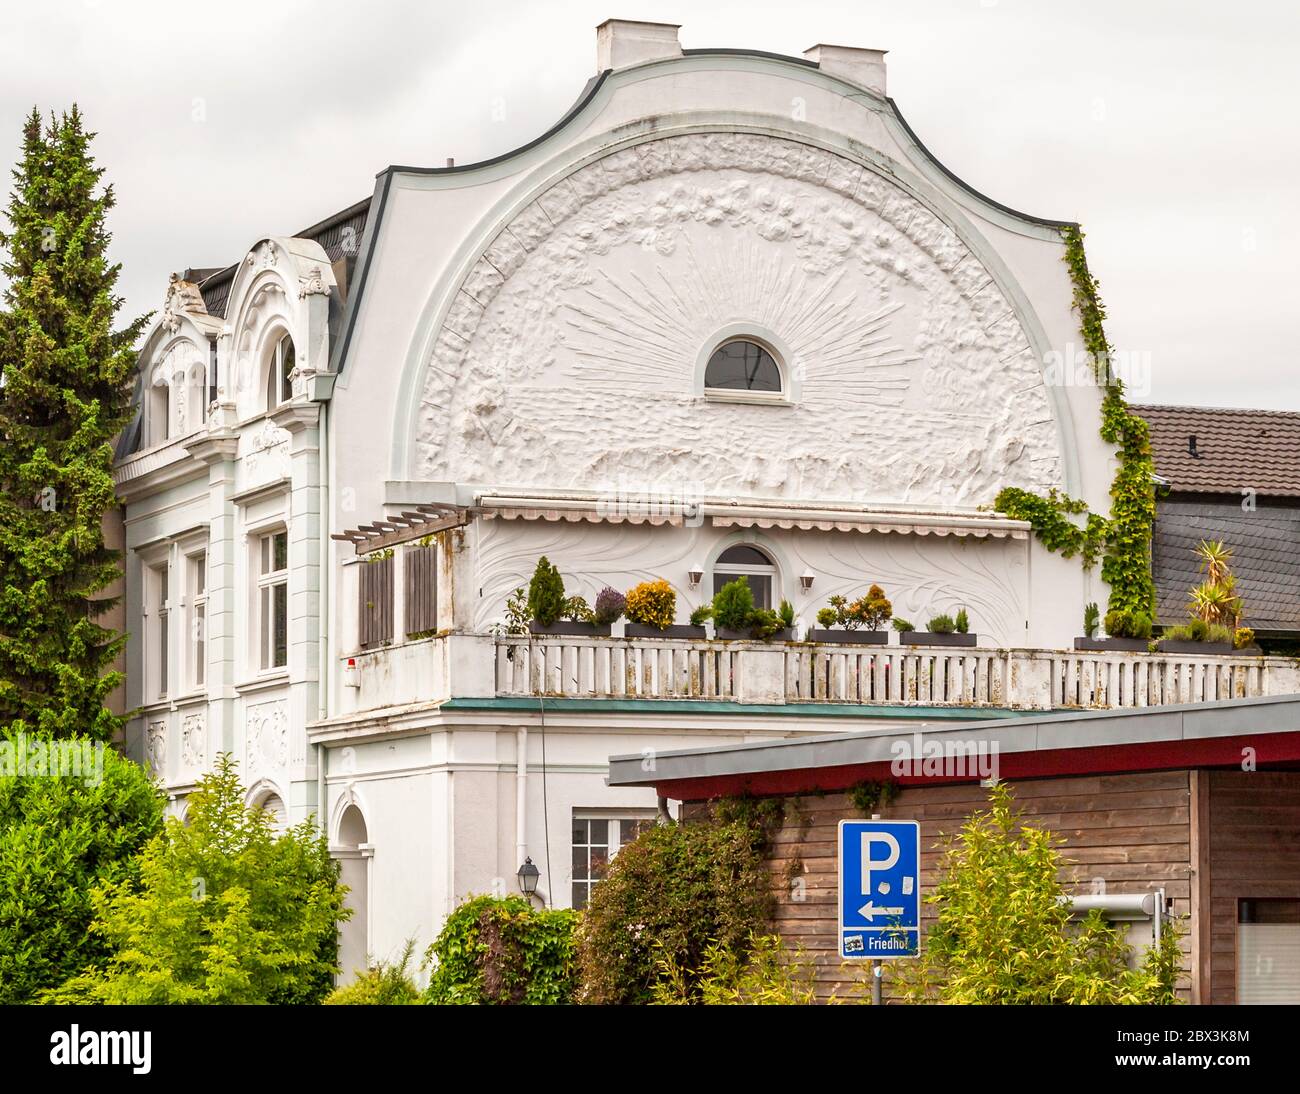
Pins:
<point x="1124" y="539"/>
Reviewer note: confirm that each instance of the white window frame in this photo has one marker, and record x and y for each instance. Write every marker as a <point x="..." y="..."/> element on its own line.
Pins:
<point x="196" y="619"/>
<point x="276" y="381"/>
<point x="264" y="581"/>
<point x="156" y="652"/>
<point x="731" y="571"/>
<point x="614" y="834"/>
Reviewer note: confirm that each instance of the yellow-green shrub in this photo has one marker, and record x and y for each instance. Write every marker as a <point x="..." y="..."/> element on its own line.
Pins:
<point x="652" y="604"/>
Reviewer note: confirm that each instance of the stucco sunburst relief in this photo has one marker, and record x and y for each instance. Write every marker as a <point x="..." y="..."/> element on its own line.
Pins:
<point x="571" y="352"/>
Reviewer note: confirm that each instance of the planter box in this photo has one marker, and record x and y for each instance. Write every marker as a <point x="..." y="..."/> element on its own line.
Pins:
<point x="926" y="638"/>
<point x="677" y="630"/>
<point x="1130" y="645"/>
<point x="563" y="626"/>
<point x="783" y="635"/>
<point x="848" y="638"/>
<point x="1217" y="649"/>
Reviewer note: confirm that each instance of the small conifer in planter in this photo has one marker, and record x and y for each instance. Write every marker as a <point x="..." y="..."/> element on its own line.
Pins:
<point x="551" y="612"/>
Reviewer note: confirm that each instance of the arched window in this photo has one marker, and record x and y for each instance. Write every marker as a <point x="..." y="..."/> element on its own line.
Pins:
<point x="743" y="365"/>
<point x="748" y="562"/>
<point x="273" y="806"/>
<point x="279" y="382"/>
<point x="158" y="419"/>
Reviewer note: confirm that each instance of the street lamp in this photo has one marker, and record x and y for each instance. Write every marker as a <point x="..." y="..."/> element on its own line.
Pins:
<point x="528" y="875"/>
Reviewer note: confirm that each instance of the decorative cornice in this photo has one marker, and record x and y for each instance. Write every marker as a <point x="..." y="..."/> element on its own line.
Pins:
<point x="214" y="448"/>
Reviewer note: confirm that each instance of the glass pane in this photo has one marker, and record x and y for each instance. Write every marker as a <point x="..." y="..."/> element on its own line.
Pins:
<point x="281" y="542"/>
<point x="630" y="829"/>
<point x="579" y="831"/>
<point x="599" y="832"/>
<point x="162" y="654"/>
<point x="264" y="626"/>
<point x="744" y="555"/>
<point x="281" y="624"/>
<point x="579" y="895"/>
<point x="162" y="586"/>
<point x="742" y="366"/>
<point x="599" y="861"/>
<point x="579" y="864"/>
<point x="200" y="574"/>
<point x="265" y="567"/>
<point x="286" y="367"/>
<point x="200" y="644"/>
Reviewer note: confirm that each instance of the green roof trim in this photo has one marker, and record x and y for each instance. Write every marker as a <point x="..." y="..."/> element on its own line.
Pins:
<point x="708" y="706"/>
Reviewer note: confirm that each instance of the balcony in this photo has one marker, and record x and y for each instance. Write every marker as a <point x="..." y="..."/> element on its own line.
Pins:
<point x="418" y="673"/>
<point x="800" y="672"/>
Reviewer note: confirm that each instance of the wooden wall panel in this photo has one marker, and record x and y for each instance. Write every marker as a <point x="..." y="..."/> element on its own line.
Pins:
<point x="1254" y="851"/>
<point x="1130" y="831"/>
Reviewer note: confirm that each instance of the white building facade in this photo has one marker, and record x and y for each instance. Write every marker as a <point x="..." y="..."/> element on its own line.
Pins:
<point x="727" y="316"/>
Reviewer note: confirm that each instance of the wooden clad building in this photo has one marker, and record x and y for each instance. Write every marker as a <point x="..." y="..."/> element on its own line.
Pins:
<point x="1200" y="803"/>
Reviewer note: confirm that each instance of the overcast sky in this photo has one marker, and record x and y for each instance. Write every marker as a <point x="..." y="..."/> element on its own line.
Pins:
<point x="1168" y="128"/>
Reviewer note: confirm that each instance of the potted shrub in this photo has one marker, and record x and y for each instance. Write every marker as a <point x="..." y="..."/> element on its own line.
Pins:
<point x="1125" y="631"/>
<point x="736" y="619"/>
<point x="857" y="622"/>
<point x="610" y="606"/>
<point x="551" y="612"/>
<point x="1196" y="637"/>
<point x="651" y="608"/>
<point x="942" y="630"/>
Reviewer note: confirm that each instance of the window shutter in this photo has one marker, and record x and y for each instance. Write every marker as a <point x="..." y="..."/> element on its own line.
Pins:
<point x="421" y="589"/>
<point x="375" y="603"/>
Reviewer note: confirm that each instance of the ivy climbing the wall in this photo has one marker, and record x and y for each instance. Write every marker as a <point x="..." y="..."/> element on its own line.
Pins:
<point x="1123" y="540"/>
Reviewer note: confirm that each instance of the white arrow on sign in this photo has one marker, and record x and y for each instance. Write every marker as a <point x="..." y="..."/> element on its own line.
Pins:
<point x="870" y="911"/>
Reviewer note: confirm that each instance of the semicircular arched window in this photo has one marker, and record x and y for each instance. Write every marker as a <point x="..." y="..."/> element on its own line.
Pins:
<point x="742" y="560"/>
<point x="742" y="364"/>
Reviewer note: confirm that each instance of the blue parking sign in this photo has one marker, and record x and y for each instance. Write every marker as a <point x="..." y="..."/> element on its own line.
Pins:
<point x="880" y="889"/>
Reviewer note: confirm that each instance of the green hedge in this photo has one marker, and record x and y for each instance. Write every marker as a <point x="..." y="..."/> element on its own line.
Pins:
<point x="503" y="952"/>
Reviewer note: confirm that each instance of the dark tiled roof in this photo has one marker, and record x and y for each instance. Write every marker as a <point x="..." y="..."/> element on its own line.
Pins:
<point x="339" y="235"/>
<point x="1266" y="557"/>
<point x="1235" y="450"/>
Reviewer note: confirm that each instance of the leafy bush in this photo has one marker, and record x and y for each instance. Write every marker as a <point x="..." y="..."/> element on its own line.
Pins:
<point x="610" y="605"/>
<point x="1005" y="935"/>
<point x="901" y="625"/>
<point x="872" y="609"/>
<point x="786" y="613"/>
<point x="1126" y="624"/>
<point x="668" y="895"/>
<point x="701" y="615"/>
<point x="504" y="952"/>
<point x="1243" y="638"/>
<point x="1091" y="620"/>
<point x="764" y="974"/>
<point x="577" y="610"/>
<point x="962" y="622"/>
<point x="733" y="605"/>
<point x="546" y="593"/>
<point x="941" y="624"/>
<point x="763" y="623"/>
<point x="1194" y="630"/>
<point x="517" y="614"/>
<point x="652" y="604"/>
<point x="226" y="911"/>
<point x="382" y="985"/>
<point x="59" y="839"/>
<point x="827" y="617"/>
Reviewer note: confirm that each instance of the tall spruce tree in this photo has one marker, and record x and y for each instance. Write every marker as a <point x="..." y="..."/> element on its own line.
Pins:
<point x="66" y="379"/>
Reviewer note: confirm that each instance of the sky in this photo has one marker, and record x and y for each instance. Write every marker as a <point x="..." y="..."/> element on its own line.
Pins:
<point x="1168" y="128"/>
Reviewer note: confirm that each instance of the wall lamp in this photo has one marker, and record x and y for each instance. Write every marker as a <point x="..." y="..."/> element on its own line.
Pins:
<point x="528" y="875"/>
<point x="695" y="575"/>
<point x="806" y="580"/>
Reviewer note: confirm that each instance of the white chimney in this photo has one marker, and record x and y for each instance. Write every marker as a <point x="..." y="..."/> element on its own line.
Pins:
<point x="623" y="42"/>
<point x="861" y="66"/>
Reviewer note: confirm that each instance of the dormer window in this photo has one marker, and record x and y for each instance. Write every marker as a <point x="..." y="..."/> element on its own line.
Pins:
<point x="279" y="374"/>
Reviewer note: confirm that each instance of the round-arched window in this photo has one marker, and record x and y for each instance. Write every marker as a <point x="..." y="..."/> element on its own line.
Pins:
<point x="743" y="365"/>
<point x="753" y="565"/>
<point x="279" y="373"/>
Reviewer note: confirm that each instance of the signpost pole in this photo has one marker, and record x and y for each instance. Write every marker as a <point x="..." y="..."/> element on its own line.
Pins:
<point x="877" y="976"/>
